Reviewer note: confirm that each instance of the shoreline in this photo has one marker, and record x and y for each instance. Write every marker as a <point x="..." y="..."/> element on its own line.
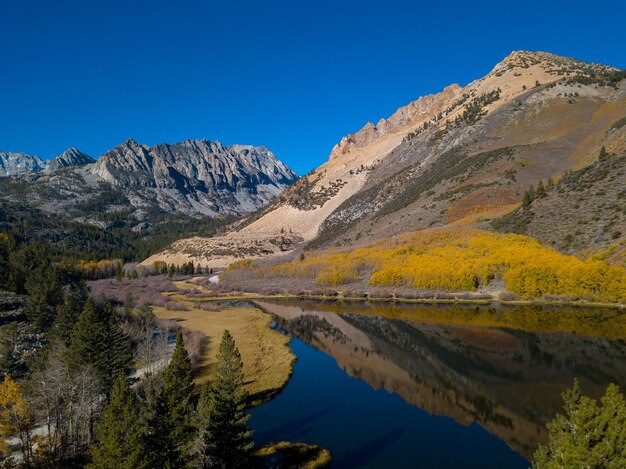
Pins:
<point x="243" y="296"/>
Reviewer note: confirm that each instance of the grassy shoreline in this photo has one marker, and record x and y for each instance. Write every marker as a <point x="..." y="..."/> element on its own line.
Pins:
<point x="245" y="296"/>
<point x="268" y="359"/>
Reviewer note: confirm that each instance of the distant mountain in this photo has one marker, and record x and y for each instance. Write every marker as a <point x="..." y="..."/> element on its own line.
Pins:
<point x="19" y="163"/>
<point x="196" y="176"/>
<point x="69" y="158"/>
<point x="464" y="155"/>
<point x="134" y="188"/>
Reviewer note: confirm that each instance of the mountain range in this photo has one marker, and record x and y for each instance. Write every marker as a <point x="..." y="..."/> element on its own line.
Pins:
<point x="138" y="188"/>
<point x="540" y="127"/>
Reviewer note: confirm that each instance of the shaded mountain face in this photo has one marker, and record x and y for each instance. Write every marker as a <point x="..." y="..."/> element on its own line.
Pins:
<point x="19" y="163"/>
<point x="135" y="189"/>
<point x="464" y="155"/>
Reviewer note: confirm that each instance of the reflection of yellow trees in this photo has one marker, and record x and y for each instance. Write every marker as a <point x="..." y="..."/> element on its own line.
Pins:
<point x="604" y="322"/>
<point x="463" y="261"/>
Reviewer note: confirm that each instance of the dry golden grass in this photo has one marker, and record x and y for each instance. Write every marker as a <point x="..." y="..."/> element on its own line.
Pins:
<point x="297" y="455"/>
<point x="266" y="355"/>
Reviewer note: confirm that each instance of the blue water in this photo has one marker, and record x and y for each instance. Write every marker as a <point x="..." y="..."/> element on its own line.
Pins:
<point x="367" y="428"/>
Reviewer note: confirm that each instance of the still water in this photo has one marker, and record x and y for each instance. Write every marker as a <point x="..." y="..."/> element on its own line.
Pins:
<point x="389" y="386"/>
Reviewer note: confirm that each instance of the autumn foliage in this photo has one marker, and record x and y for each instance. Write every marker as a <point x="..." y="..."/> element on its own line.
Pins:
<point x="461" y="261"/>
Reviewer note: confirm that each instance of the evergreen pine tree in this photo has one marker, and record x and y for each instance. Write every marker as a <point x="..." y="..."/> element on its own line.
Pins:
<point x="171" y="428"/>
<point x="541" y="190"/>
<point x="603" y="153"/>
<point x="129" y="304"/>
<point x="69" y="312"/>
<point x="44" y="291"/>
<point x="526" y="201"/>
<point x="120" y="431"/>
<point x="8" y="342"/>
<point x="98" y="340"/>
<point x="5" y="249"/>
<point x="227" y="438"/>
<point x="589" y="434"/>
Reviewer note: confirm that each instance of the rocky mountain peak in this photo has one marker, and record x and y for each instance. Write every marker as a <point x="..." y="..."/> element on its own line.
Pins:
<point x="411" y="115"/>
<point x="12" y="163"/>
<point x="70" y="157"/>
<point x="556" y="66"/>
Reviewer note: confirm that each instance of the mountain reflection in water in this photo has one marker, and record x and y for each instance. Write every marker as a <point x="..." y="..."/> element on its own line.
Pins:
<point x="503" y="369"/>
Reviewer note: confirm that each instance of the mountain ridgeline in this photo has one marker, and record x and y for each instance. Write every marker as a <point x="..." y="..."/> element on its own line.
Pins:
<point x="134" y="193"/>
<point x="464" y="156"/>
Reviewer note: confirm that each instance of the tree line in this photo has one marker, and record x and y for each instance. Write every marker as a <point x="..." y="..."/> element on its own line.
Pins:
<point x="92" y="413"/>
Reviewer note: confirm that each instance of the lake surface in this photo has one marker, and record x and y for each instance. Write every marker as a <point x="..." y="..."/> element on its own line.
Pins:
<point x="386" y="386"/>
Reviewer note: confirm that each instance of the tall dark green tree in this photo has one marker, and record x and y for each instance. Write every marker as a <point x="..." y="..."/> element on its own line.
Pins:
<point x="588" y="435"/>
<point x="69" y="311"/>
<point x="120" y="431"/>
<point x="98" y="340"/>
<point x="5" y="249"/>
<point x="8" y="342"/>
<point x="45" y="292"/>
<point x="227" y="438"/>
<point x="170" y="429"/>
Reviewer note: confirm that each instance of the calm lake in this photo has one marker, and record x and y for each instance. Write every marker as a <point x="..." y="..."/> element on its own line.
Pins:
<point x="383" y="385"/>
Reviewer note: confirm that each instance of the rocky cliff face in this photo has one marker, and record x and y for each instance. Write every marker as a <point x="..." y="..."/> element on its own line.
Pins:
<point x="139" y="186"/>
<point x="19" y="163"/>
<point x="197" y="175"/>
<point x="460" y="156"/>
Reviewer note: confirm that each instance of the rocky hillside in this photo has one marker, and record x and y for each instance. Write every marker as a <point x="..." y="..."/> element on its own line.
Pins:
<point x="582" y="213"/>
<point x="460" y="156"/>
<point x="136" y="189"/>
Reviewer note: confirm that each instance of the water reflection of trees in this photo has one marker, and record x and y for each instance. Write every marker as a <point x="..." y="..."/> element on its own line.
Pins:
<point x="472" y="364"/>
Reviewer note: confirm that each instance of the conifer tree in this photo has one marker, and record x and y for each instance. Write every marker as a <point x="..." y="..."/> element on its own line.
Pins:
<point x="5" y="249"/>
<point x="589" y="434"/>
<point x="8" y="342"/>
<point x="69" y="312"/>
<point x="226" y="438"/>
<point x="541" y="190"/>
<point x="171" y="428"/>
<point x="98" y="340"/>
<point x="526" y="201"/>
<point x="129" y="304"/>
<point x="44" y="291"/>
<point x="120" y="431"/>
<point x="603" y="153"/>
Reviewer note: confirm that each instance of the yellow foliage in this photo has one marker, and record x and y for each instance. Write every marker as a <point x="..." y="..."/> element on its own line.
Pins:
<point x="243" y="264"/>
<point x="97" y="266"/>
<point x="336" y="276"/>
<point x="14" y="413"/>
<point x="462" y="261"/>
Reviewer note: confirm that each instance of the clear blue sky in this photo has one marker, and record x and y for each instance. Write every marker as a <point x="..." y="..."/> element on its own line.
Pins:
<point x="294" y="76"/>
